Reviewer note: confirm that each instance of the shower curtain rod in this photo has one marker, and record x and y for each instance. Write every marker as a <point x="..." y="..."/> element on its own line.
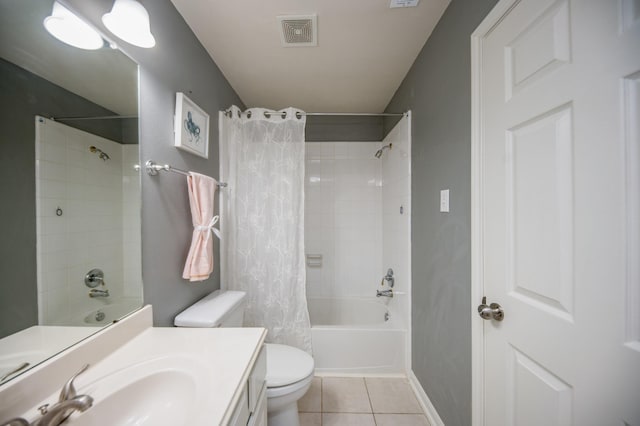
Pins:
<point x="338" y="114"/>
<point x="101" y="117"/>
<point x="365" y="114"/>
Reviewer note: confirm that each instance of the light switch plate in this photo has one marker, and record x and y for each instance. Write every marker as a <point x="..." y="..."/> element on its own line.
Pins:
<point x="444" y="200"/>
<point x="403" y="3"/>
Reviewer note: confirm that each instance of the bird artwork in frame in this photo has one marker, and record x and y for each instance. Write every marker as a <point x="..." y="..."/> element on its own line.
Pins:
<point x="191" y="127"/>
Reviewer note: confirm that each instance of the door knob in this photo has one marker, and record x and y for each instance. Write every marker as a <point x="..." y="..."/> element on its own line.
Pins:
<point x="493" y="310"/>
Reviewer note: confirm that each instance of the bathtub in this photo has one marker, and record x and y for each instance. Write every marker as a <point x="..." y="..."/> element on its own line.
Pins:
<point x="356" y="336"/>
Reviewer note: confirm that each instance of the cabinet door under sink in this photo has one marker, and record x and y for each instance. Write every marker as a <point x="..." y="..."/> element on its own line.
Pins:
<point x="252" y="405"/>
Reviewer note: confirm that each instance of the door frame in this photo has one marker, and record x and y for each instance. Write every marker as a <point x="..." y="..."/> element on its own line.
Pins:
<point x="496" y="15"/>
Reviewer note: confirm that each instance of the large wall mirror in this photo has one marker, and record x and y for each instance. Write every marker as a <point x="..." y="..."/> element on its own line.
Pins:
<point x="70" y="258"/>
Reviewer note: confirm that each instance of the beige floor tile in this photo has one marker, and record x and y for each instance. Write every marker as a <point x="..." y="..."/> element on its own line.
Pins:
<point x="344" y="395"/>
<point x="401" y="420"/>
<point x="347" y="419"/>
<point x="392" y="396"/>
<point x="311" y="402"/>
<point x="310" y="419"/>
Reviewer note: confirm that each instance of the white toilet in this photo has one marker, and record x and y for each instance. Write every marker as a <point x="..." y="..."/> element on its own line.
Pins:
<point x="289" y="369"/>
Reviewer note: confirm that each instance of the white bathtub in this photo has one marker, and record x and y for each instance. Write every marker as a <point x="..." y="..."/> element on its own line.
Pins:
<point x="356" y="336"/>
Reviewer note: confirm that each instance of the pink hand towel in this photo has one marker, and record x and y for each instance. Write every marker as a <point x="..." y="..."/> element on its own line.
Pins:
<point x="199" y="264"/>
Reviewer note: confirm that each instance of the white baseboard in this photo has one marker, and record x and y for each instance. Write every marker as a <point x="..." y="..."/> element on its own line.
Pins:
<point x="425" y="402"/>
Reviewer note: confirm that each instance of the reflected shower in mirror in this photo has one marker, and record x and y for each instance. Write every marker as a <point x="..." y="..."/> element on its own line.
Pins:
<point x="88" y="226"/>
<point x="70" y="193"/>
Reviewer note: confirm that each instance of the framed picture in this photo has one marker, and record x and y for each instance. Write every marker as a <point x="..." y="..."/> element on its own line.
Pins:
<point x="191" y="127"/>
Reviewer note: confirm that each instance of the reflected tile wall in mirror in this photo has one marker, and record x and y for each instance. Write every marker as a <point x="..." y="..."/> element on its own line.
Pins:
<point x="86" y="207"/>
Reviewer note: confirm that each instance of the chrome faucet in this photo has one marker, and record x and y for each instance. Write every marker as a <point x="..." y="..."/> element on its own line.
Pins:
<point x="96" y="292"/>
<point x="18" y="421"/>
<point x="390" y="281"/>
<point x="68" y="402"/>
<point x="388" y="278"/>
<point x="60" y="411"/>
<point x="384" y="293"/>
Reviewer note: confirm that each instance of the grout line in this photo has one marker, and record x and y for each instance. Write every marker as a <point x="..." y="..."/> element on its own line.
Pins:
<point x="321" y="401"/>
<point x="369" y="398"/>
<point x="321" y="398"/>
<point x="372" y="412"/>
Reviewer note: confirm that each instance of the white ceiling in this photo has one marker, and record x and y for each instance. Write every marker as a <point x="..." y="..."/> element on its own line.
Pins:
<point x="364" y="51"/>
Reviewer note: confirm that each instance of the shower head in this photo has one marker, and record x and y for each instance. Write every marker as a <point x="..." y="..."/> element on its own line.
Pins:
<point x="378" y="153"/>
<point x="103" y="155"/>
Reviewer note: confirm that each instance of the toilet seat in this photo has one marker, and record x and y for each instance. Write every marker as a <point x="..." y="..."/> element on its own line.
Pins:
<point x="287" y="366"/>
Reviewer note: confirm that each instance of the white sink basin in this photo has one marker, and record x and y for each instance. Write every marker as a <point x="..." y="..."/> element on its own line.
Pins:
<point x="138" y="374"/>
<point x="161" y="391"/>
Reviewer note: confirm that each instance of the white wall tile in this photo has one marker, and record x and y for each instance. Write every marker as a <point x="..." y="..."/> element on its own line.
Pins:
<point x="89" y="233"/>
<point x="344" y="220"/>
<point x="312" y="150"/>
<point x="327" y="150"/>
<point x="340" y="150"/>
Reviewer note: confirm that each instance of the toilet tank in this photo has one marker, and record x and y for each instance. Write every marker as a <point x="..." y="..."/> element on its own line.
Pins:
<point x="218" y="309"/>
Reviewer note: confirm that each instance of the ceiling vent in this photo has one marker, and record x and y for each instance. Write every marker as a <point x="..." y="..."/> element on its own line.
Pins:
<point x="299" y="30"/>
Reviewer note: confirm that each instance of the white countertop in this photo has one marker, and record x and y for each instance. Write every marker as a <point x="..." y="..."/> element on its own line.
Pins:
<point x="222" y="358"/>
<point x="36" y="344"/>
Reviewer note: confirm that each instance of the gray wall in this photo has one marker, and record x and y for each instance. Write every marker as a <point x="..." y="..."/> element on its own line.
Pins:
<point x="25" y="95"/>
<point x="438" y="91"/>
<point x="344" y="129"/>
<point x="178" y="63"/>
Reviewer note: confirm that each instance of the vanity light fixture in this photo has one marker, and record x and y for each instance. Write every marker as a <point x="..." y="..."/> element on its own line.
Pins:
<point x="67" y="27"/>
<point x="129" y="20"/>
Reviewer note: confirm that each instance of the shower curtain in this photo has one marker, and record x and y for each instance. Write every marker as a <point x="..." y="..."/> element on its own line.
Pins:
<point x="262" y="160"/>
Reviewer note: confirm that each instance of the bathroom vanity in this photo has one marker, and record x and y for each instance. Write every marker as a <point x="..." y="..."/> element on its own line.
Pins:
<point x="139" y="374"/>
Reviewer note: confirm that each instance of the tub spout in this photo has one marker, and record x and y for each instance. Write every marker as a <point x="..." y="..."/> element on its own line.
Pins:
<point x="94" y="292"/>
<point x="384" y="293"/>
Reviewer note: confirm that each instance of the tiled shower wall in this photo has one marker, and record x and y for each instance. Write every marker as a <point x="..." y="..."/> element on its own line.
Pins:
<point x="358" y="216"/>
<point x="89" y="229"/>
<point x="396" y="217"/>
<point x="343" y="218"/>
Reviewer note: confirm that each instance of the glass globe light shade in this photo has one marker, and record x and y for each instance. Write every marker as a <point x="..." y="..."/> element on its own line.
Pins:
<point x="67" y="27"/>
<point x="129" y="20"/>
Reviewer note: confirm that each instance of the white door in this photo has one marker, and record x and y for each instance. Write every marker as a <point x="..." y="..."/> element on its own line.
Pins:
<point x="556" y="135"/>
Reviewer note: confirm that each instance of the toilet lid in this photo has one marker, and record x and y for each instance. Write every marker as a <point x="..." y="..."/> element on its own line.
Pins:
<point x="287" y="365"/>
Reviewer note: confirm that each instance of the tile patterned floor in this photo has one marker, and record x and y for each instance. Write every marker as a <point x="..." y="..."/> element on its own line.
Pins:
<point x="357" y="401"/>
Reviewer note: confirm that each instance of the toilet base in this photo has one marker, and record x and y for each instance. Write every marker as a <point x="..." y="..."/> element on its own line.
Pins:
<point x="282" y="402"/>
<point x="285" y="416"/>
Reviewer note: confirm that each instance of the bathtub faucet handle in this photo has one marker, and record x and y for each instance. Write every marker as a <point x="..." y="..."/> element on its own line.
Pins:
<point x="96" y="292"/>
<point x="94" y="278"/>
<point x="388" y="278"/>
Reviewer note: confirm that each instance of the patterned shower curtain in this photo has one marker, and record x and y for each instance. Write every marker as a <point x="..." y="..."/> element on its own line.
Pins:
<point x="262" y="221"/>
